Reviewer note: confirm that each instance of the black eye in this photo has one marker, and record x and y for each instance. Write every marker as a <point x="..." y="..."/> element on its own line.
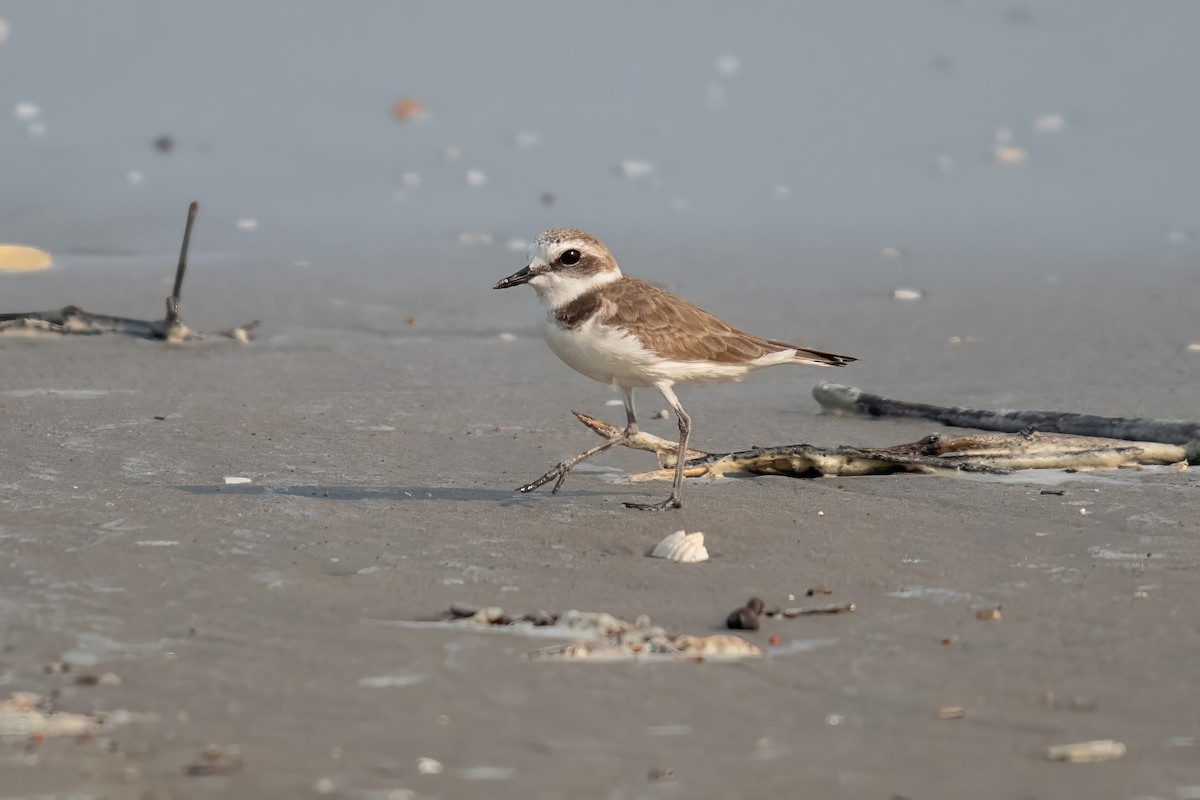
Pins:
<point x="569" y="257"/>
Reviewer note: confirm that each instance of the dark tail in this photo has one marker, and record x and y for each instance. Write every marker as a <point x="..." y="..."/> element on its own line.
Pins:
<point x="806" y="356"/>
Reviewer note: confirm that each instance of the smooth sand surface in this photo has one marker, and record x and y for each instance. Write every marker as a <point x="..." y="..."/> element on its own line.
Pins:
<point x="383" y="464"/>
<point x="796" y="164"/>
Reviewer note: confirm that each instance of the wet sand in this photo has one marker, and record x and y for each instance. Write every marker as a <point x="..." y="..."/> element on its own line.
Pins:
<point x="382" y="465"/>
<point x="800" y="166"/>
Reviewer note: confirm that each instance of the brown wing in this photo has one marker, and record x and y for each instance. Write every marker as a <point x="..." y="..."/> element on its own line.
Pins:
<point x="660" y="316"/>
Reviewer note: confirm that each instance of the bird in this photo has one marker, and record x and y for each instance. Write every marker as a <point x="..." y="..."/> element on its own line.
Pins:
<point x="628" y="333"/>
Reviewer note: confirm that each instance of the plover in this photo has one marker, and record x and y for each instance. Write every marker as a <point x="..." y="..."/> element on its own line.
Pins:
<point x="630" y="334"/>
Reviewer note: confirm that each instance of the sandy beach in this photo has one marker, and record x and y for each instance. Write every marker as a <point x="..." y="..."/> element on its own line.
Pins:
<point x="391" y="403"/>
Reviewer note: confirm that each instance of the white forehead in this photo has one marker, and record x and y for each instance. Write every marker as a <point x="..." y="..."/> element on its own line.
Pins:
<point x="544" y="250"/>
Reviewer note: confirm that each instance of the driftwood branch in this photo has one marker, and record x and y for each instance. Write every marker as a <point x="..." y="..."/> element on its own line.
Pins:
<point x="74" y="320"/>
<point x="838" y="399"/>
<point x="989" y="453"/>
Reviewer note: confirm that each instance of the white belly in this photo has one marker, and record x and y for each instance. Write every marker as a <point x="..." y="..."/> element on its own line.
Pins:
<point x="613" y="357"/>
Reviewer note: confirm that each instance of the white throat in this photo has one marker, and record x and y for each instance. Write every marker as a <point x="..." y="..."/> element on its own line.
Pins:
<point x="555" y="289"/>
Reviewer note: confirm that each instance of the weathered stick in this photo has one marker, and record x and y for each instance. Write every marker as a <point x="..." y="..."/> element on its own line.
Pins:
<point x="838" y="399"/>
<point x="74" y="320"/>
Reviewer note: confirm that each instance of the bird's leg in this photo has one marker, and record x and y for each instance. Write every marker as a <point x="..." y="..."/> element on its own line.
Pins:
<point x="685" y="430"/>
<point x="559" y="473"/>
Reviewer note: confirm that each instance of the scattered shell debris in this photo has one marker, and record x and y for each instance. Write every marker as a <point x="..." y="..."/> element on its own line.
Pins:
<point x="682" y="548"/>
<point x="29" y="714"/>
<point x="599" y="636"/>
<point x="951" y="712"/>
<point x="748" y="616"/>
<point x="22" y="258"/>
<point x="907" y="294"/>
<point x="1087" y="752"/>
<point x="237" y="480"/>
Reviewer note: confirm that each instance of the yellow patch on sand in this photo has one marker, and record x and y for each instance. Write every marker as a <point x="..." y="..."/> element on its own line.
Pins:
<point x="19" y="258"/>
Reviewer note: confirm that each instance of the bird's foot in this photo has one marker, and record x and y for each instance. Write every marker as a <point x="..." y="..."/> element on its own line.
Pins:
<point x="670" y="502"/>
<point x="560" y="472"/>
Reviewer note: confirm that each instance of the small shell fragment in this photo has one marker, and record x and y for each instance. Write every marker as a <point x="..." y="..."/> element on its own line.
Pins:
<point x="951" y="712"/>
<point x="429" y="766"/>
<point x="27" y="714"/>
<point x="720" y="645"/>
<point x="21" y="258"/>
<point x="988" y="614"/>
<point x="1087" y="752"/>
<point x="682" y="547"/>
<point x="631" y="168"/>
<point x="907" y="294"/>
<point x="236" y="480"/>
<point x="1009" y="154"/>
<point x="1050" y="123"/>
<point x="407" y="108"/>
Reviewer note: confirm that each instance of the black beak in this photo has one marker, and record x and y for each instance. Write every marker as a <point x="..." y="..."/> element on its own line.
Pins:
<point x="516" y="279"/>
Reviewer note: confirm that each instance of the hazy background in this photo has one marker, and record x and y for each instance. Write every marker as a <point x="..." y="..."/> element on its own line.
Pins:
<point x="782" y="138"/>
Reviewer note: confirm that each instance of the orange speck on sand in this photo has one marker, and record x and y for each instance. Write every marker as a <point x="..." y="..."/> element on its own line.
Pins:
<point x="407" y="108"/>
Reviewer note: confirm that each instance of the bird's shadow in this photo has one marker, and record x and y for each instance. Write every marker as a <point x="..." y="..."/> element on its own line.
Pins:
<point x="504" y="497"/>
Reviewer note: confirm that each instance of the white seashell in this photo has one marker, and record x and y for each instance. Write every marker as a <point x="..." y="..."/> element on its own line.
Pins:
<point x="682" y="547"/>
<point x="236" y="480"/>
<point x="429" y="766"/>
<point x="907" y="294"/>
